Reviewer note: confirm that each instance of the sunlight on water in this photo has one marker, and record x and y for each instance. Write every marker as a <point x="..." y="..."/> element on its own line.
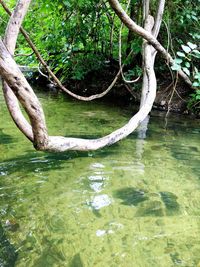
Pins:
<point x="136" y="203"/>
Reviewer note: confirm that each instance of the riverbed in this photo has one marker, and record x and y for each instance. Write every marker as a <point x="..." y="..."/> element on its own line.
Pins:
<point x="136" y="203"/>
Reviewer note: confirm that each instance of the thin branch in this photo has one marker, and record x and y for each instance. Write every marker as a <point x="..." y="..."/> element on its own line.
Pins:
<point x="44" y="75"/>
<point x="112" y="34"/>
<point x="146" y="35"/>
<point x="120" y="59"/>
<point x="55" y="79"/>
<point x="120" y="52"/>
<point x="24" y="55"/>
<point x="146" y="4"/>
<point x="171" y="97"/>
<point x="159" y="16"/>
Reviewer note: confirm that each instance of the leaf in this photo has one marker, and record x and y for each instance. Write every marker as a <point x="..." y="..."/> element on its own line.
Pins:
<point x="178" y="61"/>
<point x="186" y="70"/>
<point x="196" y="53"/>
<point x="197" y="76"/>
<point x="191" y="45"/>
<point x="186" y="49"/>
<point x="194" y="18"/>
<point x="175" y="67"/>
<point x="187" y="64"/>
<point x="196" y="84"/>
<point x="180" y="54"/>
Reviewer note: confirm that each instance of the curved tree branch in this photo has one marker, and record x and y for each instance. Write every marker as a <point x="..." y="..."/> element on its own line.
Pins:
<point x="57" y="143"/>
<point x="17" y="82"/>
<point x="10" y="39"/>
<point x="11" y="73"/>
<point x="146" y="35"/>
<point x="14" y="77"/>
<point x="120" y="53"/>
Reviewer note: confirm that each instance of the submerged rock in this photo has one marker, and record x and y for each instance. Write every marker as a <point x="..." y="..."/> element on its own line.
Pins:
<point x="5" y="138"/>
<point x="8" y="255"/>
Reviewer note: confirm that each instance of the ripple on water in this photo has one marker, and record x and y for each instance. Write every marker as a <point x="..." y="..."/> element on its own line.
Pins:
<point x="135" y="202"/>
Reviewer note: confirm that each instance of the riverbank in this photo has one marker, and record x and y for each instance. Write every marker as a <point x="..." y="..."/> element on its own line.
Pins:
<point x="169" y="98"/>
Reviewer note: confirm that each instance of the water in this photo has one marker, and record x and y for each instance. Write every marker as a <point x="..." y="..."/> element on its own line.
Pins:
<point x="136" y="203"/>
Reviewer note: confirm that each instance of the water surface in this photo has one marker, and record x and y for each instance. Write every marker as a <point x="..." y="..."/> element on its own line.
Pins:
<point x="136" y="203"/>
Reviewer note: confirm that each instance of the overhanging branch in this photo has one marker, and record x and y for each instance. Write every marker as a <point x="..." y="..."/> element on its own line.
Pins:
<point x="146" y="35"/>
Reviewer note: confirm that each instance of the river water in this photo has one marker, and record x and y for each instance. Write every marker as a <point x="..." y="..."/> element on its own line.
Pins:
<point x="136" y="203"/>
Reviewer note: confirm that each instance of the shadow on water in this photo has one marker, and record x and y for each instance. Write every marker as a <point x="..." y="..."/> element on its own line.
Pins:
<point x="170" y="201"/>
<point x="6" y="138"/>
<point x="76" y="261"/>
<point x="149" y="204"/>
<point x="189" y="154"/>
<point x="50" y="255"/>
<point x="131" y="196"/>
<point x="8" y="256"/>
<point x="33" y="161"/>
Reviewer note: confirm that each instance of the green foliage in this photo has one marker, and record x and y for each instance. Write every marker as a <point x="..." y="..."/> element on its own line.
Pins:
<point x="72" y="36"/>
<point x="187" y="61"/>
<point x="194" y="102"/>
<point x="81" y="65"/>
<point x="76" y="37"/>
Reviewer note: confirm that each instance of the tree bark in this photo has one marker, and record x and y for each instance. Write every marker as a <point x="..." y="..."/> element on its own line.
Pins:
<point x="11" y="73"/>
<point x="153" y="30"/>
<point x="10" y="39"/>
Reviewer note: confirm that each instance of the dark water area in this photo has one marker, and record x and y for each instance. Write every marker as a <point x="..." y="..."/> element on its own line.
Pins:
<point x="136" y="203"/>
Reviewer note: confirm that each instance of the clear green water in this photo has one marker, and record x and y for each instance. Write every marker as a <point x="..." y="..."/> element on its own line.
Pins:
<point x="136" y="203"/>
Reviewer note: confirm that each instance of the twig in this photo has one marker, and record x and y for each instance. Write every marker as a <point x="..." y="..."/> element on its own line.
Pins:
<point x="44" y="75"/>
<point x="174" y="89"/>
<point x="120" y="52"/>
<point x="24" y="55"/>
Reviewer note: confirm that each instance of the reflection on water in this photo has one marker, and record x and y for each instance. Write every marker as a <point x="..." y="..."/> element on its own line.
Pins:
<point x="136" y="203"/>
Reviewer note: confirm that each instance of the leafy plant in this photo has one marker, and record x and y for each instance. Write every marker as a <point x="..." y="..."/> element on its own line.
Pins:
<point x="185" y="61"/>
